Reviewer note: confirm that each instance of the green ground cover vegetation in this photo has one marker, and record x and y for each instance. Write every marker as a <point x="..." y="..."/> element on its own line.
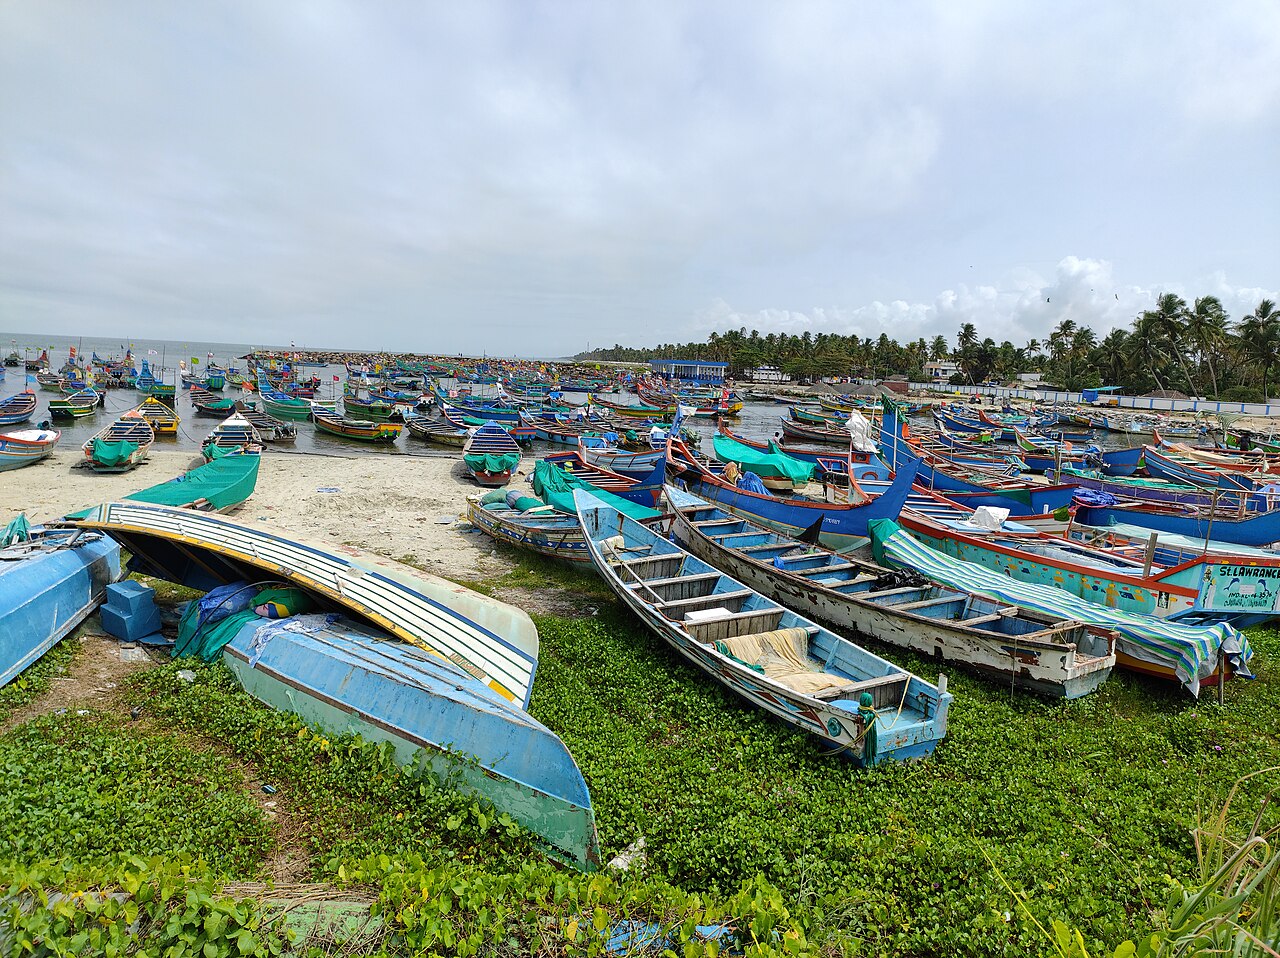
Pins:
<point x="1030" y="812"/>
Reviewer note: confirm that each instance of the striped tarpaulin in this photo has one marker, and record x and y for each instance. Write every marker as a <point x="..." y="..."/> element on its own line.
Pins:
<point x="1190" y="651"/>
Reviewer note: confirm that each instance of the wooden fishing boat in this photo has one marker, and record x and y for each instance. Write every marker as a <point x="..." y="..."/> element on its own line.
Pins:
<point x="18" y="408"/>
<point x="831" y="463"/>
<point x="456" y="702"/>
<point x="778" y="471"/>
<point x="222" y="485"/>
<point x="369" y="410"/>
<point x="539" y="529"/>
<point x="1017" y="646"/>
<point x="436" y="430"/>
<point x="284" y="406"/>
<point x="50" y="381"/>
<point x="601" y="453"/>
<point x="838" y="525"/>
<point x="26" y="447"/>
<point x="76" y="405"/>
<point x="162" y="418"/>
<point x="831" y="435"/>
<point x="235" y="434"/>
<point x="856" y="703"/>
<point x="121" y="446"/>
<point x="270" y="428"/>
<point x="491" y="455"/>
<point x="1192" y="654"/>
<point x="49" y="584"/>
<point x="206" y="403"/>
<point x="362" y="429"/>
<point x="645" y="492"/>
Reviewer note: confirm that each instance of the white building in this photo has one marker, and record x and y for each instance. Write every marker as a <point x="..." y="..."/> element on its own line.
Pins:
<point x="941" y="369"/>
<point x="767" y="374"/>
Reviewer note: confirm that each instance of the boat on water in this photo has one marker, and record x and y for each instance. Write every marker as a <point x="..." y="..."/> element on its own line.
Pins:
<point x="602" y="453"/>
<point x="436" y="430"/>
<point x="25" y="447"/>
<point x="857" y="704"/>
<point x="18" y="408"/>
<point x="121" y="446"/>
<point x="455" y="697"/>
<point x="162" y="417"/>
<point x="1192" y="654"/>
<point x="50" y="581"/>
<point x="206" y="403"/>
<point x="491" y="455"/>
<point x="75" y="405"/>
<point x="364" y="430"/>
<point x="270" y="428"/>
<point x="1007" y="642"/>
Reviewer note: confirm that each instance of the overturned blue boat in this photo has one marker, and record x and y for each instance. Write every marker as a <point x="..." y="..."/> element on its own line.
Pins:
<point x="452" y="693"/>
<point x="50" y="581"/>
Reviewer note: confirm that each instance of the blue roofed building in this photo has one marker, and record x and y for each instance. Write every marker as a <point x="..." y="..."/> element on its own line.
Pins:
<point x="690" y="369"/>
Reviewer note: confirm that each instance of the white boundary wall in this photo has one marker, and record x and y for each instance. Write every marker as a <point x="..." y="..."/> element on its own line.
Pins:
<point x="1123" y="402"/>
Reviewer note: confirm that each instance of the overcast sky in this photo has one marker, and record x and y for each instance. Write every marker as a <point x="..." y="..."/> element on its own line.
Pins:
<point x="530" y="177"/>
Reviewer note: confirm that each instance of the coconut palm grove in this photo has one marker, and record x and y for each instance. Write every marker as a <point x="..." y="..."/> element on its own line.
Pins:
<point x="1196" y="348"/>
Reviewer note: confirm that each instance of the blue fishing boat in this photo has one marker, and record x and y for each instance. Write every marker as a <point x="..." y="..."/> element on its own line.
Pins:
<point x="455" y="697"/>
<point x="857" y="704"/>
<point x="50" y="580"/>
<point x="837" y="525"/>
<point x="17" y="408"/>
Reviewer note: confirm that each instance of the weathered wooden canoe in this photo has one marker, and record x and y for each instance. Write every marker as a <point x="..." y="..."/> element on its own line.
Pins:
<point x="362" y="429"/>
<point x="545" y="531"/>
<point x="1030" y="649"/>
<point x="163" y="419"/>
<point x="774" y="659"/>
<point x="491" y="455"/>
<point x="121" y="446"/>
<point x="436" y="430"/>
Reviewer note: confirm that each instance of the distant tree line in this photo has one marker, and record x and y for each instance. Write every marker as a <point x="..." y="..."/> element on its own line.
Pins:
<point x="1197" y="349"/>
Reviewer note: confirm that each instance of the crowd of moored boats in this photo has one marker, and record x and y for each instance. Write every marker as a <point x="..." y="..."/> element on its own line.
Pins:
<point x="786" y="567"/>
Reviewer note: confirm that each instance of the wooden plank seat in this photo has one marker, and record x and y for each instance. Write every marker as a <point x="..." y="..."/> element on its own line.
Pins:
<point x="992" y="617"/>
<point x="711" y="523"/>
<point x="925" y="603"/>
<point x="710" y="600"/>
<point x="766" y="546"/>
<point x="823" y="569"/>
<point x="713" y="629"/>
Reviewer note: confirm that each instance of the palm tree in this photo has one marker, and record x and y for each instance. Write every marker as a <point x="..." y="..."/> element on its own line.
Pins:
<point x="938" y="349"/>
<point x="1147" y="345"/>
<point x="1207" y="329"/>
<point x="1170" y="317"/>
<point x="1260" y="338"/>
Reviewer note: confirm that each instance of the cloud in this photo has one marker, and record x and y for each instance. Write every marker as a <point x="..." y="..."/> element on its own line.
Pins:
<point x="533" y="176"/>
<point x="1021" y="307"/>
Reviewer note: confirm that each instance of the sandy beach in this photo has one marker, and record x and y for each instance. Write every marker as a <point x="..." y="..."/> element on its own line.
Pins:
<point x="407" y="507"/>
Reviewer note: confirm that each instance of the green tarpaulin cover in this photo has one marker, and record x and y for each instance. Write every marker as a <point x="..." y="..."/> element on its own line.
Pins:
<point x="556" y="486"/>
<point x="207" y="641"/>
<point x="764" y="464"/>
<point x="488" y="463"/>
<point x="113" y="453"/>
<point x="224" y="483"/>
<point x="19" y="530"/>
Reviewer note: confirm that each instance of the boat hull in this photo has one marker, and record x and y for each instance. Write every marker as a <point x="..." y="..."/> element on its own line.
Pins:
<point x="557" y="536"/>
<point x="44" y="597"/>
<point x="346" y="679"/>
<point x="1052" y="669"/>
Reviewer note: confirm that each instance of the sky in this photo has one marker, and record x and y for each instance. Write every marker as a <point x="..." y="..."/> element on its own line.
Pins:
<point x="528" y="178"/>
